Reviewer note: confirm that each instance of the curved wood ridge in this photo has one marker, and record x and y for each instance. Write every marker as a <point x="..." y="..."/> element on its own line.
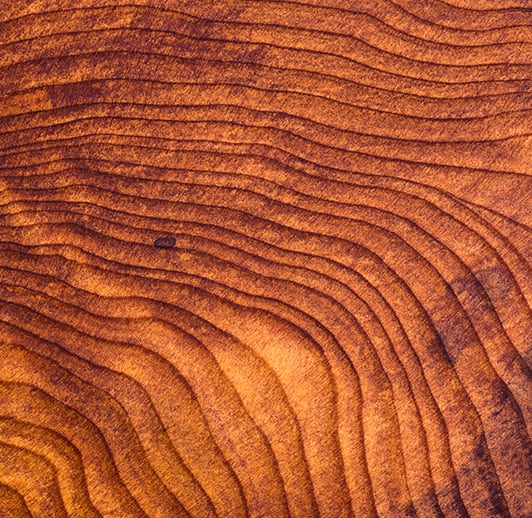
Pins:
<point x="265" y="258"/>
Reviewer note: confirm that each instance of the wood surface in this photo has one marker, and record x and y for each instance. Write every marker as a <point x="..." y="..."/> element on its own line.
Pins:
<point x="265" y="258"/>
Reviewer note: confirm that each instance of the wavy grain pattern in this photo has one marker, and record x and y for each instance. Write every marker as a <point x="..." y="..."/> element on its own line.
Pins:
<point x="265" y="258"/>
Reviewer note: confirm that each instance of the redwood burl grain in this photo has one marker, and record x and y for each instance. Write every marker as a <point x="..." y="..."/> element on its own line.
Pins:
<point x="265" y="258"/>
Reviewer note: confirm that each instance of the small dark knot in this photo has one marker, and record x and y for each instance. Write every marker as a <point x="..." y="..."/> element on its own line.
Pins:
<point x="164" y="242"/>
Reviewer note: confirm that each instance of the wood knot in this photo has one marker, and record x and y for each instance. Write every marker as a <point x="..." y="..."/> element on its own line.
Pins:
<point x="164" y="242"/>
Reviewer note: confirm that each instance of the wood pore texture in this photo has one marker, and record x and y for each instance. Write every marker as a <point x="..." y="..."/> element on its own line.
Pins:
<point x="265" y="258"/>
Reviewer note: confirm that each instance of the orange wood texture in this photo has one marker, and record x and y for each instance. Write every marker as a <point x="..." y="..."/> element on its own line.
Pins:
<point x="265" y="258"/>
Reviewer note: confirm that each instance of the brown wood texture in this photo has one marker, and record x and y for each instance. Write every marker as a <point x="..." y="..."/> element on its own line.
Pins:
<point x="265" y="258"/>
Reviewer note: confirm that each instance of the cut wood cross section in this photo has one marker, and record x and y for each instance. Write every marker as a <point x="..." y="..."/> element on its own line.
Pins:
<point x="264" y="258"/>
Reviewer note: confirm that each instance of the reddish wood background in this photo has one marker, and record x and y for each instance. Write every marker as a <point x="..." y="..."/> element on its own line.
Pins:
<point x="265" y="258"/>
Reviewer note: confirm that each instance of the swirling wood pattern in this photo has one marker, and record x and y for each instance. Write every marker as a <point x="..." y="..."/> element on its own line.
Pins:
<point x="265" y="258"/>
